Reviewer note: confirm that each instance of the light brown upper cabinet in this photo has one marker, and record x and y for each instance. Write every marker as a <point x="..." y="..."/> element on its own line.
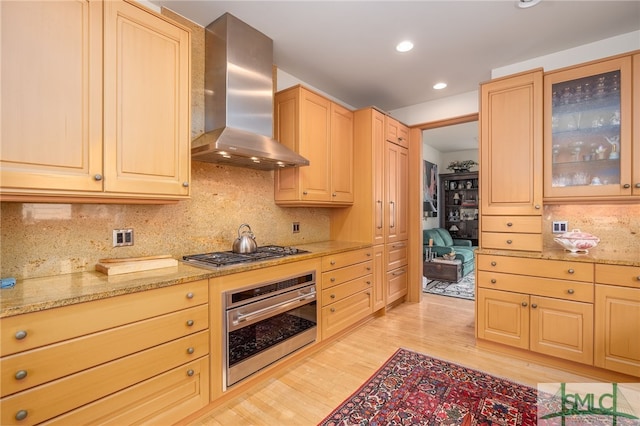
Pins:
<point x="321" y="131"/>
<point x="98" y="111"/>
<point x="396" y="132"/>
<point x="511" y="162"/>
<point x="589" y="143"/>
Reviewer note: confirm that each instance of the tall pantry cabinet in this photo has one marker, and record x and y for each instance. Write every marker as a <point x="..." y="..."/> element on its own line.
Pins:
<point x="98" y="107"/>
<point x="379" y="214"/>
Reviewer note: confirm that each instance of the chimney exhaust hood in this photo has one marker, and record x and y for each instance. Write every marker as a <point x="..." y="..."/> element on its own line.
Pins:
<point x="239" y="100"/>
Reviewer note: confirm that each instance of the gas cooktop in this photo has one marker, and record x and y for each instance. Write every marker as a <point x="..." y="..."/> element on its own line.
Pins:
<point x="224" y="258"/>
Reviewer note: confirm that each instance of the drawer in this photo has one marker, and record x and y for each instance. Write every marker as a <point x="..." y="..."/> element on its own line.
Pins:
<point x="397" y="255"/>
<point x="339" y="292"/>
<point x="60" y="396"/>
<point x="561" y="269"/>
<point x="515" y="224"/>
<point x="164" y="399"/>
<point x="54" y="325"/>
<point x="51" y="362"/>
<point x="627" y="276"/>
<point x="397" y="284"/>
<point x="340" y="260"/>
<point x="346" y="312"/>
<point x="348" y="273"/>
<point x="559" y="289"/>
<point x="511" y="241"/>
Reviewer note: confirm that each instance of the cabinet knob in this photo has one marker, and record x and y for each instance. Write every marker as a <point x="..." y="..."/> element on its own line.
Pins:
<point x="332" y="279"/>
<point x="22" y="414"/>
<point x="98" y="177"/>
<point x="493" y="263"/>
<point x="509" y="241"/>
<point x="190" y="295"/>
<point x="190" y="372"/>
<point x="534" y="305"/>
<point x="185" y="184"/>
<point x="626" y="186"/>
<point x="334" y="194"/>
<point x="509" y="224"/>
<point x="637" y="185"/>
<point x="21" y="374"/>
<point x="571" y="271"/>
<point x="571" y="291"/>
<point x="190" y="323"/>
<point x="20" y="334"/>
<point x="332" y="309"/>
<point x="368" y="268"/>
<point x="333" y="262"/>
<point x="524" y="304"/>
<point x="368" y="282"/>
<point x="537" y="207"/>
<point x="304" y="192"/>
<point x="190" y="350"/>
<point x="368" y="254"/>
<point x="638" y="278"/>
<point x="493" y="281"/>
<point x="333" y="296"/>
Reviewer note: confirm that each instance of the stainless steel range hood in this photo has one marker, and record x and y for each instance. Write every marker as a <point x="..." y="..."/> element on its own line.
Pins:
<point x="239" y="100"/>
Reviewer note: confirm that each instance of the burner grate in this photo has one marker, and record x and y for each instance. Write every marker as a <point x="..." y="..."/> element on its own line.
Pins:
<point x="225" y="258"/>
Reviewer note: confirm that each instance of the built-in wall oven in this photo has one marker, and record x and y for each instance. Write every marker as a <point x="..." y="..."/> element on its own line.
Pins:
<point x="267" y="321"/>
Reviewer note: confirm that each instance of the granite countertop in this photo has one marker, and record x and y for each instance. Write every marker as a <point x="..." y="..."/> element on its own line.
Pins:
<point x="36" y="294"/>
<point x="594" y="256"/>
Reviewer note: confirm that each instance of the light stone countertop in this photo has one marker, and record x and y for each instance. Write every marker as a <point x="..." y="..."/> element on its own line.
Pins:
<point x="37" y="294"/>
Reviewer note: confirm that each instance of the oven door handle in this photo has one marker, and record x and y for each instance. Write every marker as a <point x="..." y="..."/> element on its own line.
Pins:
<point x="270" y="311"/>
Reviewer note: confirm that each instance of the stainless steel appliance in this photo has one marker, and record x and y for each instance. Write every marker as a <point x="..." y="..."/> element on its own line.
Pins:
<point x="224" y="258"/>
<point x="267" y="321"/>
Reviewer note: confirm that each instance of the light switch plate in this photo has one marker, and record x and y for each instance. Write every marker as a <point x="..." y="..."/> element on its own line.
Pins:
<point x="560" y="226"/>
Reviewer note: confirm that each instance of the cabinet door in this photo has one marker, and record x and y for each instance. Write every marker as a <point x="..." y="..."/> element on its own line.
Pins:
<point x="587" y="144"/>
<point x="147" y="90"/>
<point x="396" y="132"/>
<point x="635" y="177"/>
<point x="397" y="193"/>
<point x="511" y="145"/>
<point x="503" y="317"/>
<point x="379" y="274"/>
<point x="51" y="103"/>
<point x="617" y="315"/>
<point x="562" y="328"/>
<point x="341" y="154"/>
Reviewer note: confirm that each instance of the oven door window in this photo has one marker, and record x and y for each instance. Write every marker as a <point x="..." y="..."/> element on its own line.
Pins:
<point x="254" y="338"/>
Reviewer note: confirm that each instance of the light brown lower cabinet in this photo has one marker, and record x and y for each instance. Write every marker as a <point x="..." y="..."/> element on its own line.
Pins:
<point x="617" y="315"/>
<point x="140" y="357"/>
<point x="347" y="290"/>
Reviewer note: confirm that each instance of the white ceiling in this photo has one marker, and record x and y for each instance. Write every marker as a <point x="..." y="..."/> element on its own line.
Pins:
<point x="346" y="48"/>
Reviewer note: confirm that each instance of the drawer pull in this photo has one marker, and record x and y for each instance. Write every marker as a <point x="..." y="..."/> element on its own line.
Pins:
<point x="190" y="295"/>
<point x="524" y="304"/>
<point x="493" y="281"/>
<point x="368" y="254"/>
<point x="332" y="309"/>
<point x="368" y="268"/>
<point x="400" y="272"/>
<point x="509" y="241"/>
<point x="22" y="414"/>
<point x="534" y="305"/>
<point x="368" y="282"/>
<point x="570" y="291"/>
<point x="571" y="271"/>
<point x="21" y="374"/>
<point x="493" y="263"/>
<point x="333" y="296"/>
<point x="190" y="350"/>
<point x="332" y="279"/>
<point x="190" y="372"/>
<point x="509" y="224"/>
<point x="189" y="323"/>
<point x="333" y="262"/>
<point x="21" y="334"/>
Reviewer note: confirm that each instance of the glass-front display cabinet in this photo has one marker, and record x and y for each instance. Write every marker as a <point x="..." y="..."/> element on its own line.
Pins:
<point x="587" y="142"/>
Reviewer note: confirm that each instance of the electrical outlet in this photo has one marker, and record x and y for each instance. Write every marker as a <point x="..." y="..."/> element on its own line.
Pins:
<point x="122" y="237"/>
<point x="560" y="226"/>
<point x="296" y="227"/>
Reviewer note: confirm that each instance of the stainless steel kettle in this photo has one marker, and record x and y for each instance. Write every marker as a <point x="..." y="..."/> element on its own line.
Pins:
<point x="246" y="241"/>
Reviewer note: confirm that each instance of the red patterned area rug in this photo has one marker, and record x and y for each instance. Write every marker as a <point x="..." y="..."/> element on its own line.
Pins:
<point x="415" y="389"/>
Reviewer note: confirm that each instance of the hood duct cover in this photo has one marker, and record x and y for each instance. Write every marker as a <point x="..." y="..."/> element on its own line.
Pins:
<point x="239" y="100"/>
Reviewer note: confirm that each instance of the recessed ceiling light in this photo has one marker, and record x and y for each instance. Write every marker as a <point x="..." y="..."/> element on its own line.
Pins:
<point x="404" y="46"/>
<point x="523" y="4"/>
<point x="439" y="86"/>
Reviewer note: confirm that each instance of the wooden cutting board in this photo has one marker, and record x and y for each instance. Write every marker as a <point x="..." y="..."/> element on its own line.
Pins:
<point x="122" y="266"/>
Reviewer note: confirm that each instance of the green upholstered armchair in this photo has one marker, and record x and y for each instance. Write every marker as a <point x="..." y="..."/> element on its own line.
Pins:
<point x="443" y="243"/>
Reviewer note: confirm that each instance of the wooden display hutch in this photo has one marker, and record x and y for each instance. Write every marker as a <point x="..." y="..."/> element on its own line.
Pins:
<point x="459" y="206"/>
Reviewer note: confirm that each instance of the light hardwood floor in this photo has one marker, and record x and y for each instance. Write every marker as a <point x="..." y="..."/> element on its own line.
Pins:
<point x="439" y="326"/>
